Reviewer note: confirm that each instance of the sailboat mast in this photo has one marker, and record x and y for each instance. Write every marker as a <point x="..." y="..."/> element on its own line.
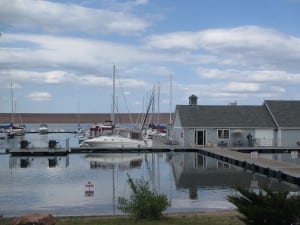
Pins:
<point x="171" y="98"/>
<point x="12" y="102"/>
<point x="158" y="103"/>
<point x="113" y="96"/>
<point x="78" y="115"/>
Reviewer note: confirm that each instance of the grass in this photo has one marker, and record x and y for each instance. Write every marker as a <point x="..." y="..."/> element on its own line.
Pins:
<point x="211" y="218"/>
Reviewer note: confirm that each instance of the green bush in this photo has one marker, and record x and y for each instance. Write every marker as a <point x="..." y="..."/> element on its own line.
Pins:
<point x="143" y="202"/>
<point x="266" y="206"/>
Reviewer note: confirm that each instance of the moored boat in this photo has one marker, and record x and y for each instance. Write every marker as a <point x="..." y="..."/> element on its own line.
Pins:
<point x="43" y="129"/>
<point x="3" y="134"/>
<point x="114" y="141"/>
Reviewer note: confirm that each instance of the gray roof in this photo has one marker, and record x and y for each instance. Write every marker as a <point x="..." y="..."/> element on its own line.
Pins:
<point x="226" y="116"/>
<point x="286" y="113"/>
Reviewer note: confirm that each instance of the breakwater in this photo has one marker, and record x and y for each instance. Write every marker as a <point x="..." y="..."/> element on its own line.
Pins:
<point x="163" y="118"/>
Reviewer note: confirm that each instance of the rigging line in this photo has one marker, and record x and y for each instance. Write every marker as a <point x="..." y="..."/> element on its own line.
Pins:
<point x="118" y="113"/>
<point x="148" y="109"/>
<point x="125" y="100"/>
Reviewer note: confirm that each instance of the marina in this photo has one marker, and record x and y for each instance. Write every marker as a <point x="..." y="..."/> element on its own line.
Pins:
<point x="192" y="178"/>
<point x="200" y="100"/>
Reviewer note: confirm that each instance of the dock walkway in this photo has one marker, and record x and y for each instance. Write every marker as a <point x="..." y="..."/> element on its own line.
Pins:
<point x="286" y="171"/>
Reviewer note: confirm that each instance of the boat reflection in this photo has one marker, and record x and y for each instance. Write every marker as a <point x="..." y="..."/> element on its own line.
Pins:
<point x="114" y="162"/>
<point x="38" y="162"/>
<point x="123" y="161"/>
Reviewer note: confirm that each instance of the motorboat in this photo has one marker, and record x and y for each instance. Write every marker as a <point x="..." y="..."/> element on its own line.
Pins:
<point x="3" y="134"/>
<point x="43" y="129"/>
<point x="114" y="141"/>
<point x="110" y="135"/>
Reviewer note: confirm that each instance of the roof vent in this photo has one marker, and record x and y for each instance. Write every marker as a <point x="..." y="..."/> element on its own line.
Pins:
<point x="193" y="100"/>
<point x="233" y="103"/>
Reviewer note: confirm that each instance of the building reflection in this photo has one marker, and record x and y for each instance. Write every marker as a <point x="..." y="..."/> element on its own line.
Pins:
<point x="193" y="171"/>
<point x="38" y="162"/>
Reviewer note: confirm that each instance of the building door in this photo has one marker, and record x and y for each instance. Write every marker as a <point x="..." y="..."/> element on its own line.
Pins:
<point x="200" y="137"/>
<point x="264" y="137"/>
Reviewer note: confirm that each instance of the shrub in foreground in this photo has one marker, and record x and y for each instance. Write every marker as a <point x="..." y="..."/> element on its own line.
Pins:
<point x="266" y="206"/>
<point x="143" y="203"/>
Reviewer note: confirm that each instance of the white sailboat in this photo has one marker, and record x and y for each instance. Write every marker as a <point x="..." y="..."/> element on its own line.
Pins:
<point x="14" y="130"/>
<point x="114" y="140"/>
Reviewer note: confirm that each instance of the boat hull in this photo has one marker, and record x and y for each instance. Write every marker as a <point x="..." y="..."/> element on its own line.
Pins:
<point x="114" y="142"/>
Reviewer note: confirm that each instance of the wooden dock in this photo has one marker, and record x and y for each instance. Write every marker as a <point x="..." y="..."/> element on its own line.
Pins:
<point x="272" y="168"/>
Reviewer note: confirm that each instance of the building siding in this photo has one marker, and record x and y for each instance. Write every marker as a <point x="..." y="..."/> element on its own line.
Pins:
<point x="289" y="138"/>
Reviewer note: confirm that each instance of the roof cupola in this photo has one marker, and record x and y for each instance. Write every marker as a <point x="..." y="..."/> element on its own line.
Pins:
<point x="193" y="100"/>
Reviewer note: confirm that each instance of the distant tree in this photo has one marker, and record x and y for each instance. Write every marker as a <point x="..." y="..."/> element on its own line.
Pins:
<point x="143" y="203"/>
<point x="266" y="206"/>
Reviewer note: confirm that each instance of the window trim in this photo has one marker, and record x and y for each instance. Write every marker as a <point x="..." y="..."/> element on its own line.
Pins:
<point x="223" y="135"/>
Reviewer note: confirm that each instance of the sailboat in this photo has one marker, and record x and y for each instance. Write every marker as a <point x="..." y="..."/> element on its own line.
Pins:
<point x="120" y="138"/>
<point x="11" y="129"/>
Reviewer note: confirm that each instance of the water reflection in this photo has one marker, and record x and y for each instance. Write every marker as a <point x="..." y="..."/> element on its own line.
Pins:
<point x="57" y="185"/>
<point x="38" y="162"/>
<point x="123" y="161"/>
<point x="193" y="171"/>
<point x="114" y="162"/>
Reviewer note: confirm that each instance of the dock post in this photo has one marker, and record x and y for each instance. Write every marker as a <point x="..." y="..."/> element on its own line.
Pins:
<point x="253" y="168"/>
<point x="68" y="144"/>
<point x="279" y="175"/>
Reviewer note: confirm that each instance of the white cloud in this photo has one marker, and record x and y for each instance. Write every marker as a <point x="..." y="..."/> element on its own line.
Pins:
<point x="243" y="46"/>
<point x="39" y="96"/>
<point x="262" y="76"/>
<point x="56" y="77"/>
<point x="75" y="53"/>
<point x="225" y="92"/>
<point x="141" y="2"/>
<point x="242" y="87"/>
<point x="56" y="17"/>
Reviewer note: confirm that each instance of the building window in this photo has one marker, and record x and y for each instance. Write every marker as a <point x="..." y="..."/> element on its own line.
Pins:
<point x="223" y="134"/>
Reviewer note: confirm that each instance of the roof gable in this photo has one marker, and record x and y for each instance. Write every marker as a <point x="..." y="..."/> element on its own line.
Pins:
<point x="224" y="116"/>
<point x="285" y="113"/>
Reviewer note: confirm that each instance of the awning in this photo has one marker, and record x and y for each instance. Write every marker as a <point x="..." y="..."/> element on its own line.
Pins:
<point x="238" y="131"/>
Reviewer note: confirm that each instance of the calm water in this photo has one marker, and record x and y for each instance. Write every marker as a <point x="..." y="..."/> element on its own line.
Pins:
<point x="56" y="185"/>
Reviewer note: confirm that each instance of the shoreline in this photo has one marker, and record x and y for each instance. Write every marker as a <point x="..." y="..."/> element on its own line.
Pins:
<point x="195" y="218"/>
<point x="170" y="214"/>
<point x="20" y="118"/>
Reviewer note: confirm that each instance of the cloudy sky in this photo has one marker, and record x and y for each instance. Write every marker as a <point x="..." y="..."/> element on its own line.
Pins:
<point x="59" y="54"/>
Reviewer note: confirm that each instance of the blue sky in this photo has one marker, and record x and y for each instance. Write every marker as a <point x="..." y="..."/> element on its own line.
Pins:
<point x="59" y="54"/>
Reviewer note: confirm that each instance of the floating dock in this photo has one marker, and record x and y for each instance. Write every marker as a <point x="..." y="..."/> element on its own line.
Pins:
<point x="271" y="168"/>
<point x="38" y="152"/>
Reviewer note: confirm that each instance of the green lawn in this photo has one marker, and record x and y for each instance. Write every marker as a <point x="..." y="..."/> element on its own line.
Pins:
<point x="216" y="218"/>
